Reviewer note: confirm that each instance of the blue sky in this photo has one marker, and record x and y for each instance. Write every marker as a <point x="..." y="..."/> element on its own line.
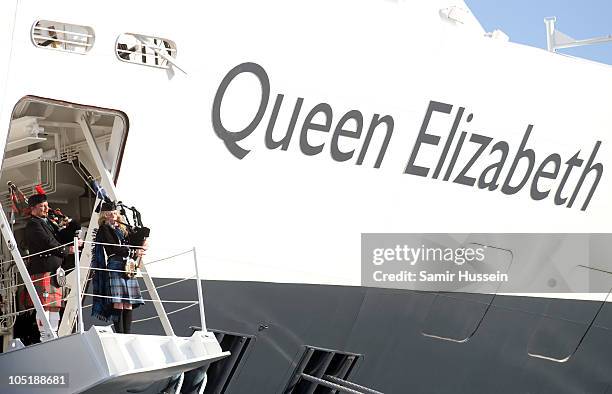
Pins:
<point x="523" y="22"/>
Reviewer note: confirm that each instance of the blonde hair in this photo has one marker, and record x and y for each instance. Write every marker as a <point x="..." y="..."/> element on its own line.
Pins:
<point x="122" y="226"/>
<point x="102" y="220"/>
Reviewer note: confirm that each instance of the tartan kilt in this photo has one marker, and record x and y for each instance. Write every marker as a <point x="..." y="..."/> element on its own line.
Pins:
<point x="47" y="293"/>
<point x="122" y="288"/>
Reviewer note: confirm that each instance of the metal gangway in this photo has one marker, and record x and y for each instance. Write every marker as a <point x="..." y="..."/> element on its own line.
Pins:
<point x="98" y="360"/>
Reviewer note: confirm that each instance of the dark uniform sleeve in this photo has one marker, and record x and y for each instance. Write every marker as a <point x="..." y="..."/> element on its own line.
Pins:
<point x="106" y="234"/>
<point x="38" y="240"/>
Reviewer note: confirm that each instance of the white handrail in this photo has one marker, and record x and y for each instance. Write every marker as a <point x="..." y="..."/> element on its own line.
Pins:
<point x="141" y="299"/>
<point x="200" y="297"/>
<point x="167" y="313"/>
<point x="34" y="281"/>
<point x="80" y="326"/>
<point x="170" y="284"/>
<point x="79" y="293"/>
<point x="37" y="253"/>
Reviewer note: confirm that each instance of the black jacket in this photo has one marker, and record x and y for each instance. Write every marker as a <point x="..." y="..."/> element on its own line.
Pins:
<point x="106" y="234"/>
<point x="40" y="237"/>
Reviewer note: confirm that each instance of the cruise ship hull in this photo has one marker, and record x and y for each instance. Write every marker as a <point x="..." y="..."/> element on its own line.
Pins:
<point x="408" y="342"/>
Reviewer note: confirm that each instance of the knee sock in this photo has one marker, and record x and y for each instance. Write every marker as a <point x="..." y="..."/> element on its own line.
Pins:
<point x="118" y="324"/>
<point x="53" y="320"/>
<point x="127" y="321"/>
<point x="41" y="327"/>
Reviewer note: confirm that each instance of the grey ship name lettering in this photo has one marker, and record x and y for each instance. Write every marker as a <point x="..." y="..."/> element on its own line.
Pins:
<point x="522" y="165"/>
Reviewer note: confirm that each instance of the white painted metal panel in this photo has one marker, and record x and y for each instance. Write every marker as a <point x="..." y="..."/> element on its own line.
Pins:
<point x="281" y="215"/>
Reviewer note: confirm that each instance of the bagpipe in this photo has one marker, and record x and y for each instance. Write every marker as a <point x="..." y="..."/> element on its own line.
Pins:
<point x="137" y="233"/>
<point x="19" y="201"/>
<point x="66" y="229"/>
<point x="137" y="236"/>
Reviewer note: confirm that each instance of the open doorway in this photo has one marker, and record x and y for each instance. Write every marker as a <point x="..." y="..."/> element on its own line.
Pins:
<point x="67" y="149"/>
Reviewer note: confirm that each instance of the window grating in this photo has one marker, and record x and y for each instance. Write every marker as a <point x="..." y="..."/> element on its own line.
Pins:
<point x="62" y="36"/>
<point x="145" y="50"/>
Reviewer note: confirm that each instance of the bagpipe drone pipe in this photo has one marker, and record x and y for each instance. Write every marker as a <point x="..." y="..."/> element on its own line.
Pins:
<point x="65" y="228"/>
<point x="137" y="232"/>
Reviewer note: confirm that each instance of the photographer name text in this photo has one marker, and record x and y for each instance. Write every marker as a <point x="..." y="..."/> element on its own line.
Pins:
<point x="426" y="276"/>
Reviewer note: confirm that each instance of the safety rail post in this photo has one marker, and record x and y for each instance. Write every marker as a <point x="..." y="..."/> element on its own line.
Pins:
<point x="200" y="297"/>
<point x="77" y="269"/>
<point x="159" y="306"/>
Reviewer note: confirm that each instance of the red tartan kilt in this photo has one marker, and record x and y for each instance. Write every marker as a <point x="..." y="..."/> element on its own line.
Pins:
<point x="47" y="293"/>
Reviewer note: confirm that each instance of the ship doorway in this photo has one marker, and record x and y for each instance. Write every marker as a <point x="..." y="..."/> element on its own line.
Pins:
<point x="65" y="148"/>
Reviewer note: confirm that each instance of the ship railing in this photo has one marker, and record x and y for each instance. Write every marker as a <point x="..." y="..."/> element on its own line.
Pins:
<point x="17" y="313"/>
<point x="151" y="288"/>
<point x="9" y="292"/>
<point x="12" y="261"/>
<point x="78" y="292"/>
